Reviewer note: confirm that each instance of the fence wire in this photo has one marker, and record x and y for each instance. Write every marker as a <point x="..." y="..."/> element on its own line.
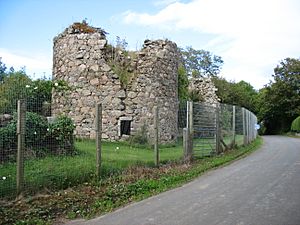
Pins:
<point x="217" y="127"/>
<point x="54" y="159"/>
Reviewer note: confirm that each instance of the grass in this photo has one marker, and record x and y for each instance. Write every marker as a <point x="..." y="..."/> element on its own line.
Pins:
<point x="91" y="199"/>
<point x="58" y="172"/>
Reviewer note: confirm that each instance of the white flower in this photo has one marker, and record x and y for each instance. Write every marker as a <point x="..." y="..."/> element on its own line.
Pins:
<point x="35" y="88"/>
<point x="48" y="129"/>
<point x="117" y="148"/>
<point x="27" y="86"/>
<point x="34" y="132"/>
<point x="56" y="84"/>
<point x="3" y="178"/>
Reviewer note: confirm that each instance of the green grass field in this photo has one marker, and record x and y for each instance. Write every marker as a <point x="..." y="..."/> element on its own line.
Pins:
<point x="59" y="172"/>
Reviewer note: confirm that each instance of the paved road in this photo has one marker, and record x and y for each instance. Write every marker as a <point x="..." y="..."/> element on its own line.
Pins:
<point x="262" y="189"/>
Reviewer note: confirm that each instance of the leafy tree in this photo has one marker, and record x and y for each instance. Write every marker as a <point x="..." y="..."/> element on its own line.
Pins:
<point x="279" y="101"/>
<point x="183" y="83"/>
<point x="201" y="63"/>
<point x="13" y="88"/>
<point x="17" y="85"/>
<point x="39" y="96"/>
<point x="241" y="93"/>
<point x="2" y="70"/>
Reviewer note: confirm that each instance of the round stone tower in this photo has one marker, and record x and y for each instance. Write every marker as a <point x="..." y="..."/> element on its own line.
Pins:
<point x="86" y="75"/>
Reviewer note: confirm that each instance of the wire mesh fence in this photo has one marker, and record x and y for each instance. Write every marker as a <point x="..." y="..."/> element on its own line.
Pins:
<point x="215" y="128"/>
<point x="40" y="153"/>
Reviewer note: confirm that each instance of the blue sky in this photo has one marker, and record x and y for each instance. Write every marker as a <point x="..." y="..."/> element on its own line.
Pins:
<point x="251" y="36"/>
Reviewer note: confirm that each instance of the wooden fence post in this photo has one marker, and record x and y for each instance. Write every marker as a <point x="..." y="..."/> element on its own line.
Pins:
<point x="156" y="125"/>
<point x="98" y="127"/>
<point x="21" y="129"/>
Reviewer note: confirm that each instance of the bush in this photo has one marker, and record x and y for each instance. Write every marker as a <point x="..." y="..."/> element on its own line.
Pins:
<point x="296" y="125"/>
<point x="8" y="142"/>
<point x="41" y="138"/>
<point x="61" y="135"/>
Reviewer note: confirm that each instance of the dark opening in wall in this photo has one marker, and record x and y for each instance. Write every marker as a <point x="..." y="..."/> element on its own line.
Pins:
<point x="125" y="127"/>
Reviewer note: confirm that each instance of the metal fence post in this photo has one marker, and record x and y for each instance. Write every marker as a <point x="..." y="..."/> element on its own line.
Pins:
<point x="190" y="128"/>
<point x="218" y="131"/>
<point x="21" y="129"/>
<point x="244" y="126"/>
<point x="233" y="126"/>
<point x="156" y="121"/>
<point x="185" y="145"/>
<point x="98" y="127"/>
<point x="248" y="126"/>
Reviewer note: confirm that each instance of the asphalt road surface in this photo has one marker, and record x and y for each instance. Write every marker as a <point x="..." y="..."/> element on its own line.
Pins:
<point x="261" y="189"/>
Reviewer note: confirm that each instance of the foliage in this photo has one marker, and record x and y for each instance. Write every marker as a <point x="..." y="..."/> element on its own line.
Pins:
<point x="195" y="96"/>
<point x="61" y="135"/>
<point x="12" y="89"/>
<point x="241" y="93"/>
<point x="121" y="43"/>
<point x="35" y="131"/>
<point x="39" y="96"/>
<point x="296" y="125"/>
<point x="17" y="85"/>
<point x="201" y="63"/>
<point x="37" y="93"/>
<point x="7" y="142"/>
<point x="41" y="138"/>
<point x="278" y="102"/>
<point x="84" y="27"/>
<point x="123" y="72"/>
<point x="183" y="83"/>
<point x="2" y="70"/>
<point x="120" y="61"/>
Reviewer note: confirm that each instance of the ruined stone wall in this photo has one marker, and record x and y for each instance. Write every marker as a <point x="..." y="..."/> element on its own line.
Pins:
<point x="81" y="59"/>
<point x="205" y="88"/>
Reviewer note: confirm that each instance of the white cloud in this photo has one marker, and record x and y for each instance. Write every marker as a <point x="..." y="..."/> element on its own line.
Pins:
<point x="164" y="2"/>
<point x="34" y="64"/>
<point x="252" y="36"/>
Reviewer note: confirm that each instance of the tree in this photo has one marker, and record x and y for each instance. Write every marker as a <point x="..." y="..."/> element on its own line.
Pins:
<point x="12" y="89"/>
<point x="241" y="93"/>
<point x="201" y="63"/>
<point x="2" y="70"/>
<point x="17" y="85"/>
<point x="183" y="84"/>
<point x="279" y="101"/>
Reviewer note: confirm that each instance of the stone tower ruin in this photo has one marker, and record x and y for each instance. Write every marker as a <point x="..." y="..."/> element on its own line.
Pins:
<point x="127" y="86"/>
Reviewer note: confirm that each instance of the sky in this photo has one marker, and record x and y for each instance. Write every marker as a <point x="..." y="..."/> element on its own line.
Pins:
<point x="251" y="36"/>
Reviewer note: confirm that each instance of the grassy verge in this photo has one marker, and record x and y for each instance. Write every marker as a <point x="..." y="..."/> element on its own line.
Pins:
<point x="96" y="198"/>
